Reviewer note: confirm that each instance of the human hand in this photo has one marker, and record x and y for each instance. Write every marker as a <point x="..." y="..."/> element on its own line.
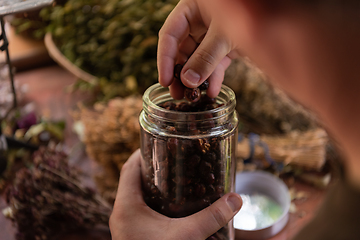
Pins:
<point x="194" y="34"/>
<point x="132" y="219"/>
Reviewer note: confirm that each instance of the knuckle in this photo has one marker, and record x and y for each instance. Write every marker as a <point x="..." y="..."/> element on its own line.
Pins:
<point x="219" y="217"/>
<point x="124" y="167"/>
<point x="206" y="57"/>
<point x="111" y="221"/>
<point x="161" y="32"/>
<point x="117" y="225"/>
<point x="117" y="216"/>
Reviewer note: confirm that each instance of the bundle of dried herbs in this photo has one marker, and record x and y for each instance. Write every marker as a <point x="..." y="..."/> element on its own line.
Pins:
<point x="305" y="150"/>
<point x="114" y="40"/>
<point x="263" y="108"/>
<point x="48" y="199"/>
<point x="24" y="131"/>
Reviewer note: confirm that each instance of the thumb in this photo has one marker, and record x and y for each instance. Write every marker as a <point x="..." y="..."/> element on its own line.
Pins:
<point x="204" y="60"/>
<point x="211" y="219"/>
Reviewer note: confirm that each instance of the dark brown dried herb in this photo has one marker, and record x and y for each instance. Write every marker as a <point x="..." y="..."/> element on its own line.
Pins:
<point x="49" y="199"/>
<point x="191" y="94"/>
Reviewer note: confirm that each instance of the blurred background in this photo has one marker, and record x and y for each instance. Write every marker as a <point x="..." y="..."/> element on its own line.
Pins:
<point x="79" y="70"/>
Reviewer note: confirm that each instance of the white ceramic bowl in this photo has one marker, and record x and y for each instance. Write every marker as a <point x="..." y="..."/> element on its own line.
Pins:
<point x="260" y="182"/>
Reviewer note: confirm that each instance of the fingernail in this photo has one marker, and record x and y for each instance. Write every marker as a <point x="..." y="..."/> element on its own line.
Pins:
<point x="234" y="203"/>
<point x="192" y="76"/>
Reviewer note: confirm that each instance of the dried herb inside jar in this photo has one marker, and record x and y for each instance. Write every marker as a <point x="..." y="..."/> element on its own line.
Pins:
<point x="191" y="94"/>
<point x="188" y="151"/>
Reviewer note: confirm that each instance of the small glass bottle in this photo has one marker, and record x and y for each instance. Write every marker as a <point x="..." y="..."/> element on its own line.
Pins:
<point x="188" y="157"/>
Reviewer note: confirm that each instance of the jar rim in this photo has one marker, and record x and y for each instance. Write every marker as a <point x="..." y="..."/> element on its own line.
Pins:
<point x="151" y="107"/>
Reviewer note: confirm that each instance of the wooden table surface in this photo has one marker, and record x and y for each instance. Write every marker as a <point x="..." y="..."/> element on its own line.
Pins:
<point x="46" y="88"/>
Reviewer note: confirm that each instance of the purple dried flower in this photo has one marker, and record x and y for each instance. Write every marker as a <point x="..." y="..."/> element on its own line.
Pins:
<point x="27" y="121"/>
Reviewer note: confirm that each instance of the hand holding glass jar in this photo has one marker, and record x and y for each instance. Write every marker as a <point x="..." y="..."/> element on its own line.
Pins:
<point x="188" y="152"/>
<point x="132" y="219"/>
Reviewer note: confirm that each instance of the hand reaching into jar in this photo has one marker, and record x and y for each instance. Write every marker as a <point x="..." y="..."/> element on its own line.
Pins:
<point x="132" y="219"/>
<point x="310" y="49"/>
<point x="191" y="36"/>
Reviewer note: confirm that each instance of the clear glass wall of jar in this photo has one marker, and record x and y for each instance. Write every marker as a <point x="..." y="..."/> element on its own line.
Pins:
<point x="188" y="158"/>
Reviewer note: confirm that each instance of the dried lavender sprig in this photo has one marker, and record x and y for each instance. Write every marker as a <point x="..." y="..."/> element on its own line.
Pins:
<point x="49" y="198"/>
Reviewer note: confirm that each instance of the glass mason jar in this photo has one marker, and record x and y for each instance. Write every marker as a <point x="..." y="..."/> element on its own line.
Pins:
<point x="188" y="158"/>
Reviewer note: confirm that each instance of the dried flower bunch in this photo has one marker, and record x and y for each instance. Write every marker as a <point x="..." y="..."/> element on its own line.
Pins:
<point x="112" y="134"/>
<point x="49" y="199"/>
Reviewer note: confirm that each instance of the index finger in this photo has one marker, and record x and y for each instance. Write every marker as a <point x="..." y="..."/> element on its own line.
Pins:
<point x="175" y="29"/>
<point x="129" y="189"/>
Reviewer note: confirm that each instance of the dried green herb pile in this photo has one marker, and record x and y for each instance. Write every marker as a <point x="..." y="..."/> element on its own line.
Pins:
<point x="48" y="199"/>
<point x="115" y="40"/>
